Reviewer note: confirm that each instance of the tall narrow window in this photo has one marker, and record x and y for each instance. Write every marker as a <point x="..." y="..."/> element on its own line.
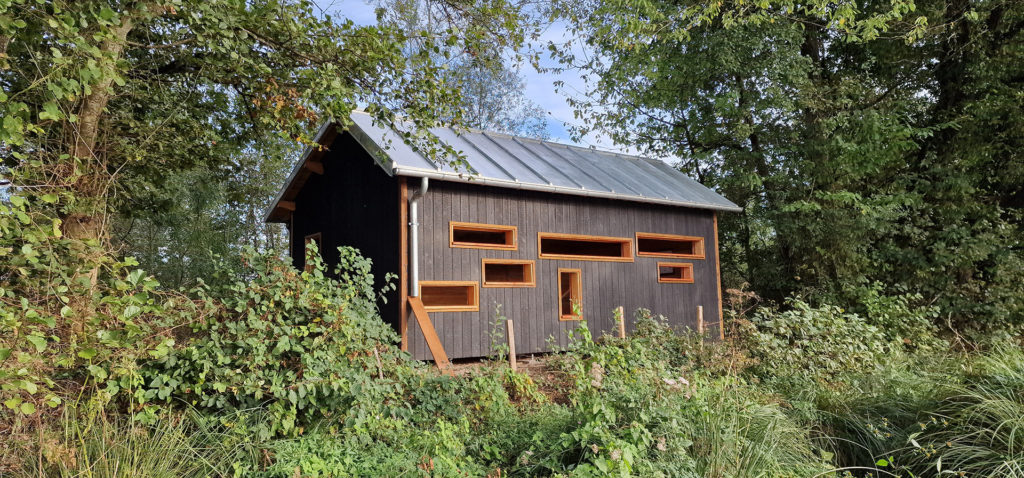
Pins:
<point x="481" y="236"/>
<point x="673" y="272"/>
<point x="315" y="238"/>
<point x="584" y="248"/>
<point x="570" y="295"/>
<point x="450" y="296"/>
<point x="668" y="245"/>
<point x="508" y="273"/>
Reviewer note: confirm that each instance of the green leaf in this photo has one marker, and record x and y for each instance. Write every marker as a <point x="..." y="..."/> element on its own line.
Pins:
<point x="28" y="408"/>
<point x="882" y="462"/>
<point x="12" y="403"/>
<point x="98" y="372"/>
<point x="49" y="198"/>
<point x="50" y="112"/>
<point x="87" y="353"/>
<point x="38" y="342"/>
<point x="4" y="353"/>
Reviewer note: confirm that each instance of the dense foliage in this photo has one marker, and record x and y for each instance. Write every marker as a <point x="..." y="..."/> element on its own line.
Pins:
<point x="870" y="142"/>
<point x="295" y="344"/>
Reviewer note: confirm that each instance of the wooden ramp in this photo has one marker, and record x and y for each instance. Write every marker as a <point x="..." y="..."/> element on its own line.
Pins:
<point x="433" y="342"/>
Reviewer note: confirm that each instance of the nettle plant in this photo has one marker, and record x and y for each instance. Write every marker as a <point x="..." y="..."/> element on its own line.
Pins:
<point x="302" y="345"/>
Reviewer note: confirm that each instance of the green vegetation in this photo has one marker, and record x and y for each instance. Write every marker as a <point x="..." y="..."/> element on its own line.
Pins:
<point x="290" y="372"/>
<point x="876" y="149"/>
<point x="876" y="142"/>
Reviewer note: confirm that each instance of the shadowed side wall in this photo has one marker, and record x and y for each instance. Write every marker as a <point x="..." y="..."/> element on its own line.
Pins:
<point x="354" y="203"/>
<point x="605" y="285"/>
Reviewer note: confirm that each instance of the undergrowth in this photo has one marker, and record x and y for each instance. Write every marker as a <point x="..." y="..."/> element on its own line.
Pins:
<point x="287" y="373"/>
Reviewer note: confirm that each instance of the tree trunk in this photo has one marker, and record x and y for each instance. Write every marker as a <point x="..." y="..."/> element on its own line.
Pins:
<point x="87" y="221"/>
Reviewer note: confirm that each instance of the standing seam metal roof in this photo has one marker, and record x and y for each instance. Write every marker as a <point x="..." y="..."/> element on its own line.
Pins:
<point x="500" y="160"/>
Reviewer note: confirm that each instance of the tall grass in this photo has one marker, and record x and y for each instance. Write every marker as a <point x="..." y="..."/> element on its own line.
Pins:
<point x="979" y="431"/>
<point x="737" y="436"/>
<point x="91" y="443"/>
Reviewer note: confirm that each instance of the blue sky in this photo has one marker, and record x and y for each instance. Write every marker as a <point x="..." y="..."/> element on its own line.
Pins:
<point x="539" y="86"/>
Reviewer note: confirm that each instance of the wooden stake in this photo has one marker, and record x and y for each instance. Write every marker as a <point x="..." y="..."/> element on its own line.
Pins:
<point x="621" y="318"/>
<point x="700" y="319"/>
<point x="510" y="332"/>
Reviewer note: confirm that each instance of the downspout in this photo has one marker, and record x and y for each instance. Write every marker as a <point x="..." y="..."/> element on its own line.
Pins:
<point x="414" y="237"/>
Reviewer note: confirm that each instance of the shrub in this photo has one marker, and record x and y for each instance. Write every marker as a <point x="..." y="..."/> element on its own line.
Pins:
<point x="301" y="345"/>
<point x="635" y="413"/>
<point x="900" y="319"/>
<point x="818" y="342"/>
<point x="71" y="317"/>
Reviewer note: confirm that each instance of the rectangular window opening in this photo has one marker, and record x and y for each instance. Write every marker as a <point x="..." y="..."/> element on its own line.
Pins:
<point x="570" y="295"/>
<point x="508" y="273"/>
<point x="450" y="296"/>
<point x="315" y="238"/>
<point x="670" y="272"/>
<point x="586" y="248"/>
<point x="482" y="236"/>
<point x="667" y="245"/>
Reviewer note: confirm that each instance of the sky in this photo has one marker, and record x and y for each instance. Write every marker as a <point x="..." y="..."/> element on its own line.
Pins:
<point x="539" y="86"/>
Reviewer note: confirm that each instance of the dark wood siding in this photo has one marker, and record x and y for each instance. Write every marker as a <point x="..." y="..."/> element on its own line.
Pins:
<point x="605" y="285"/>
<point x="354" y="203"/>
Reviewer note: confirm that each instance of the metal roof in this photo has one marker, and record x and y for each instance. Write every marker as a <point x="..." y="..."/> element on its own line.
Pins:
<point x="500" y="160"/>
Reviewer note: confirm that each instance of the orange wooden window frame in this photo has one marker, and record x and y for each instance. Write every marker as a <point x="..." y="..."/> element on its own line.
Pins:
<point x="474" y="307"/>
<point x="315" y="237"/>
<point x="674" y="280"/>
<point x="577" y="290"/>
<point x="698" y="247"/>
<point x="625" y="243"/>
<point x="511" y="235"/>
<point x="530" y="275"/>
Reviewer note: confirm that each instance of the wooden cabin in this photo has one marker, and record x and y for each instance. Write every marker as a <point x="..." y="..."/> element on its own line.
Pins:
<point x="548" y="233"/>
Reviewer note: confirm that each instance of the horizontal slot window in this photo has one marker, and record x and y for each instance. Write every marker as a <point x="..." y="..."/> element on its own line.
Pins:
<point x="679" y="273"/>
<point x="482" y="236"/>
<point x="585" y="248"/>
<point x="668" y="245"/>
<point x="508" y="273"/>
<point x="450" y="296"/>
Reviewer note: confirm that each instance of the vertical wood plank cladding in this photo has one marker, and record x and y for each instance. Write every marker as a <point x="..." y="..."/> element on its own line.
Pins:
<point x="403" y="260"/>
<point x="354" y="203"/>
<point x="606" y="285"/>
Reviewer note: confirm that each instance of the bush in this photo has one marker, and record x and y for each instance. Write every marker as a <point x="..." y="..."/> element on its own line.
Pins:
<point x="72" y="321"/>
<point x="818" y="342"/>
<point x="300" y="345"/>
<point x="633" y="412"/>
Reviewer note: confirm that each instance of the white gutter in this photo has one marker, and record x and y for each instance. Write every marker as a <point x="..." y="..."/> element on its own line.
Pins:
<point x="414" y="237"/>
<point x="550" y="188"/>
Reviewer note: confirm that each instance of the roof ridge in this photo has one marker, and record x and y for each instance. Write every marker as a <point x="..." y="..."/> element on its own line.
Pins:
<point x="470" y="129"/>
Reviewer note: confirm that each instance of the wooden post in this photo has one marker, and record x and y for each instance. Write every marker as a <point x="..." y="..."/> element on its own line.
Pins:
<point x="700" y="319"/>
<point x="510" y="332"/>
<point x="621" y="318"/>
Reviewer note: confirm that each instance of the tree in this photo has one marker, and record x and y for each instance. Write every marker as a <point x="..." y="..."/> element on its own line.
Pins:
<point x="113" y="110"/>
<point x="105" y="93"/>
<point x="491" y="88"/>
<point x="200" y="220"/>
<point x="864" y="142"/>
